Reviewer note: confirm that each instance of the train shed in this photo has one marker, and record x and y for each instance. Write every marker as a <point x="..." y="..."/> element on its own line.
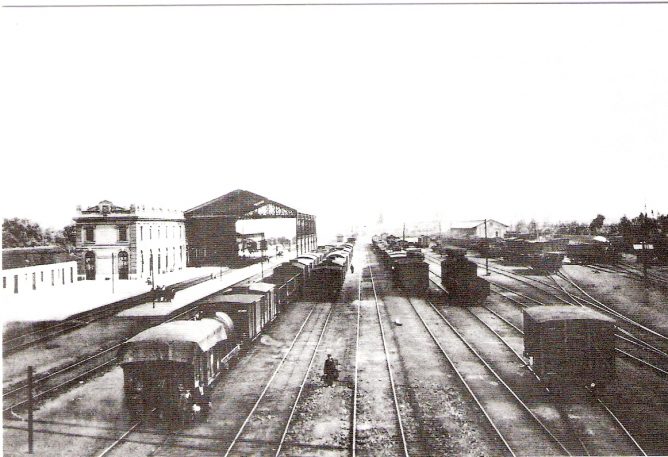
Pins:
<point x="211" y="227"/>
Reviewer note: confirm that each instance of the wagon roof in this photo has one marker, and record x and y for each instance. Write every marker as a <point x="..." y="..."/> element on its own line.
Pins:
<point x="554" y="313"/>
<point x="261" y="286"/>
<point x="333" y="262"/>
<point x="236" y="298"/>
<point x="303" y="261"/>
<point x="204" y="333"/>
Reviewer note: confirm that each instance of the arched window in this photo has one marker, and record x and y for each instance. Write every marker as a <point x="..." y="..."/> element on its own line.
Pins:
<point x="89" y="266"/>
<point x="123" y="265"/>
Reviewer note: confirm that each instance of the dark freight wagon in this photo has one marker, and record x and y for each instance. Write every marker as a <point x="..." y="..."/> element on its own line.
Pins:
<point x="246" y="310"/>
<point x="459" y="277"/>
<point x="327" y="279"/>
<point x="412" y="275"/>
<point x="570" y="346"/>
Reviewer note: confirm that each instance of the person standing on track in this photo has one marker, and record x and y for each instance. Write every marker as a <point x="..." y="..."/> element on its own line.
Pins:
<point x="330" y="369"/>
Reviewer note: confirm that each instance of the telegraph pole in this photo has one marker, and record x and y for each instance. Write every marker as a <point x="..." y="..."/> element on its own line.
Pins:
<point x="30" y="408"/>
<point x="486" y="253"/>
<point x="152" y="280"/>
<point x="112" y="272"/>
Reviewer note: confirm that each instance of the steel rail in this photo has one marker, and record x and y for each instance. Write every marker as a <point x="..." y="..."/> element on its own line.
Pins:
<point x="387" y="361"/>
<point x="639" y="342"/>
<point x="301" y="387"/>
<point x="624" y="429"/>
<point x="614" y="312"/>
<point x="463" y="381"/>
<point x="63" y="384"/>
<point x="113" y="445"/>
<point x="498" y="377"/>
<point x="357" y="349"/>
<point x="271" y="379"/>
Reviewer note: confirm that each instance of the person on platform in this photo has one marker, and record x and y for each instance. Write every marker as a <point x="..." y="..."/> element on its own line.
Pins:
<point x="352" y="268"/>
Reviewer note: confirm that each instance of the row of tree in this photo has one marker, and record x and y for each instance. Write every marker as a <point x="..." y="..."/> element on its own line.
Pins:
<point x="22" y="233"/>
<point x="644" y="227"/>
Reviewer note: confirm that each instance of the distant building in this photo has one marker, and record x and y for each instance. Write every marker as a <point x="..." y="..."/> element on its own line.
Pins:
<point x="131" y="242"/>
<point x="476" y="229"/>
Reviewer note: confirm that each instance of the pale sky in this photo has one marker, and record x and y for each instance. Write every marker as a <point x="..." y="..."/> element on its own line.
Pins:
<point x="505" y="112"/>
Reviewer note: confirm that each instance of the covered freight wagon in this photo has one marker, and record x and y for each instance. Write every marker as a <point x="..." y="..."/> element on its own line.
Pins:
<point x="568" y="345"/>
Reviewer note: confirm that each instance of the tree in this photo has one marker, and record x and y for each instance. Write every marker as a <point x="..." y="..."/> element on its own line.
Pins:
<point x="596" y="224"/>
<point x="520" y="226"/>
<point x="21" y="233"/>
<point x="626" y="230"/>
<point x="533" y="227"/>
<point x="67" y="237"/>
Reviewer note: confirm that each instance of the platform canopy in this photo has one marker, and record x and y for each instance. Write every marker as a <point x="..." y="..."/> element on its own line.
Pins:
<point x="242" y="204"/>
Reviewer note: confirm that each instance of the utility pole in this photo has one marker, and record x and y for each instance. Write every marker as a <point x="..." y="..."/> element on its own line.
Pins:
<point x="30" y="408"/>
<point x="152" y="280"/>
<point x="644" y="261"/>
<point x="112" y="272"/>
<point x="486" y="253"/>
<point x="404" y="233"/>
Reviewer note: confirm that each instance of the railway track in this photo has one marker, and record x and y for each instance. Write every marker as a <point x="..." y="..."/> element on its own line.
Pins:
<point x="503" y="408"/>
<point x="606" y="408"/>
<point x="583" y="299"/>
<point x="49" y="384"/>
<point x="596" y="422"/>
<point x="275" y="402"/>
<point x="136" y="440"/>
<point x="397" y="435"/>
<point x="47" y="332"/>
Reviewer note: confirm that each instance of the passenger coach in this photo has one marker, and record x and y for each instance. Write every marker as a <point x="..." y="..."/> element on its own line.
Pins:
<point x="169" y="369"/>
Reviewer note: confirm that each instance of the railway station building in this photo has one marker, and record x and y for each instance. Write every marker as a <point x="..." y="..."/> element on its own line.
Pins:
<point x="211" y="228"/>
<point x="130" y="243"/>
<point x="476" y="229"/>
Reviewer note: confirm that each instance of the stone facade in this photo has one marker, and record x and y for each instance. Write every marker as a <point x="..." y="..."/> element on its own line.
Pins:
<point x="130" y="243"/>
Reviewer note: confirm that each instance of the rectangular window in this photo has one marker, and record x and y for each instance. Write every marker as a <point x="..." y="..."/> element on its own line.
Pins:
<point x="141" y="232"/>
<point x="4" y="282"/>
<point x="42" y="275"/>
<point x="122" y="233"/>
<point x="90" y="234"/>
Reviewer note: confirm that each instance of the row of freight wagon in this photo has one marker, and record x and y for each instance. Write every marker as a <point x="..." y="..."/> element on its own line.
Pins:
<point x="542" y="255"/>
<point x="170" y="369"/>
<point x="459" y="275"/>
<point x="566" y="346"/>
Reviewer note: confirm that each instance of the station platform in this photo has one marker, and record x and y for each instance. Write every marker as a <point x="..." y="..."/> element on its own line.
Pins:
<point x="61" y="302"/>
<point x="192" y="294"/>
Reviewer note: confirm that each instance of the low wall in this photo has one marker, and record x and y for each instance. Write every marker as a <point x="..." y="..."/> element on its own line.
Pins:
<point x="39" y="277"/>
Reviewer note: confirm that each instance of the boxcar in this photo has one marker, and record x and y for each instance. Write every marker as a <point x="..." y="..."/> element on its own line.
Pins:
<point x="412" y="275"/>
<point x="247" y="311"/>
<point x="569" y="346"/>
<point x="169" y="369"/>
<point x="269" y="291"/>
<point x="459" y="277"/>
<point x="327" y="279"/>
<point x="546" y="261"/>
